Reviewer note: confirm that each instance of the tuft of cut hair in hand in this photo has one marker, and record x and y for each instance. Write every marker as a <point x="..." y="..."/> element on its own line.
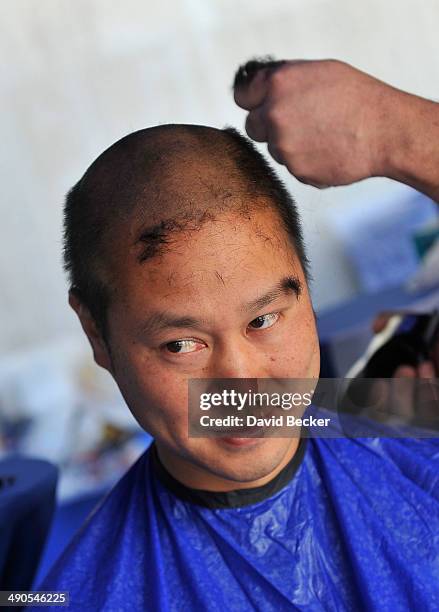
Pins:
<point x="247" y="71"/>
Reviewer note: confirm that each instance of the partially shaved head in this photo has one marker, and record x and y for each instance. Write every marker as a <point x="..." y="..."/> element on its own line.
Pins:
<point x="151" y="185"/>
<point x="186" y="261"/>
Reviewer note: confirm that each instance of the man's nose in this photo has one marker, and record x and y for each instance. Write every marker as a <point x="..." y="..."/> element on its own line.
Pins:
<point x="237" y="361"/>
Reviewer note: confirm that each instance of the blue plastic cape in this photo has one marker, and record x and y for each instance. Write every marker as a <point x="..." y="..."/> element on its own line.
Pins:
<point x="356" y="528"/>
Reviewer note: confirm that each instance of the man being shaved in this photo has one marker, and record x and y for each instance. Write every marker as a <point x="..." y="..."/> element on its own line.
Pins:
<point x="186" y="261"/>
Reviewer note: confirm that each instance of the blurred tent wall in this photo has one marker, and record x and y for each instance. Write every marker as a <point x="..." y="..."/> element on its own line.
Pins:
<point x="77" y="75"/>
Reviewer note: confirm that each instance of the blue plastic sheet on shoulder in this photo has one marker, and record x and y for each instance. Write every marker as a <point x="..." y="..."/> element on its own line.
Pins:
<point x="357" y="528"/>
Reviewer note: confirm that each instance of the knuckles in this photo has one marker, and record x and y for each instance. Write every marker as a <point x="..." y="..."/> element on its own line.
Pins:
<point x="276" y="80"/>
<point x="275" y="115"/>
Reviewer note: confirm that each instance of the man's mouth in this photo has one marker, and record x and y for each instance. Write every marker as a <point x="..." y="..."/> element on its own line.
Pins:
<point x="239" y="442"/>
<point x="242" y="436"/>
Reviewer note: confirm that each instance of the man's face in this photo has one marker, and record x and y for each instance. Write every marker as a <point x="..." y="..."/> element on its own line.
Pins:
<point x="192" y="312"/>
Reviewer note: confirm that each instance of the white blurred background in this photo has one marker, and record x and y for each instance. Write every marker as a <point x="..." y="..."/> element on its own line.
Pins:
<point x="79" y="74"/>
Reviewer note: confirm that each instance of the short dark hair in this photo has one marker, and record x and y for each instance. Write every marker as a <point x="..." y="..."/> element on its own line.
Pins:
<point x="118" y="179"/>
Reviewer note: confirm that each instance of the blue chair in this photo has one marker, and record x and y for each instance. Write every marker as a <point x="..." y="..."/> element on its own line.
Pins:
<point x="27" y="502"/>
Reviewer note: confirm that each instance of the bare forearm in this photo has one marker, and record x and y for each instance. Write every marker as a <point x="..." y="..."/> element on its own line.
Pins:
<point x="413" y="150"/>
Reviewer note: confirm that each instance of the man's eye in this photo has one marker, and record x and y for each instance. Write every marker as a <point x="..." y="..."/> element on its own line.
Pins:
<point x="264" y="321"/>
<point x="181" y="346"/>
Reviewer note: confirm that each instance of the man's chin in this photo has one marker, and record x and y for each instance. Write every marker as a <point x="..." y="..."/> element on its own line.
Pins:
<point x="244" y="460"/>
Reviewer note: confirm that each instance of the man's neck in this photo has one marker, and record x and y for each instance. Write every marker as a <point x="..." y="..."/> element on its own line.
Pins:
<point x="195" y="477"/>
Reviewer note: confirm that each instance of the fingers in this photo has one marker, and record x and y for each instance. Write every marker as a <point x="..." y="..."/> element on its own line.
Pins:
<point x="415" y="394"/>
<point x="426" y="370"/>
<point x="434" y="355"/>
<point x="404" y="371"/>
<point x="312" y="107"/>
<point x="250" y="92"/>
<point x="381" y="321"/>
<point x="257" y="128"/>
<point x="402" y="402"/>
<point x="251" y="81"/>
<point x="256" y="125"/>
<point x="427" y="396"/>
<point x="275" y="154"/>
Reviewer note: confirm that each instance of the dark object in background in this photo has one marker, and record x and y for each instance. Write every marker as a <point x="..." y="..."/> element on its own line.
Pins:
<point x="27" y="502"/>
<point x="407" y="339"/>
<point x="410" y="345"/>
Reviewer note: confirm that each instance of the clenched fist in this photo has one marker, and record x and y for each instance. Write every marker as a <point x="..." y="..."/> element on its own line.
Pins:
<point x="331" y="124"/>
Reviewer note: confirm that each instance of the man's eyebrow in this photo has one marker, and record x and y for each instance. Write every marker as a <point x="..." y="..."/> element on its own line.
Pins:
<point x="289" y="284"/>
<point x="162" y="320"/>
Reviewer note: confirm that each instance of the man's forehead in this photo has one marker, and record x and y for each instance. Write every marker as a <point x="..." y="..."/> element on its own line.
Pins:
<point x="208" y="263"/>
<point x="243" y="224"/>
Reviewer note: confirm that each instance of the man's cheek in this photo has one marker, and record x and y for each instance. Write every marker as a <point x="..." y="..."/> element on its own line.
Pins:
<point x="162" y="405"/>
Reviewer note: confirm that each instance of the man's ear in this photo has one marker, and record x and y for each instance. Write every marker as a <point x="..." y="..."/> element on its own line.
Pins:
<point x="101" y="353"/>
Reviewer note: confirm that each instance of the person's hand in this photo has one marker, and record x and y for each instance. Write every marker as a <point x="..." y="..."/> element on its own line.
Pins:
<point x="327" y="122"/>
<point x="413" y="393"/>
<point x="324" y="120"/>
<point x="409" y="398"/>
<point x="426" y="369"/>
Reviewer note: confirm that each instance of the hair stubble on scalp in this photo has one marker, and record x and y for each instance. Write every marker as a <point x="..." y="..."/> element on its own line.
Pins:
<point x="168" y="179"/>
